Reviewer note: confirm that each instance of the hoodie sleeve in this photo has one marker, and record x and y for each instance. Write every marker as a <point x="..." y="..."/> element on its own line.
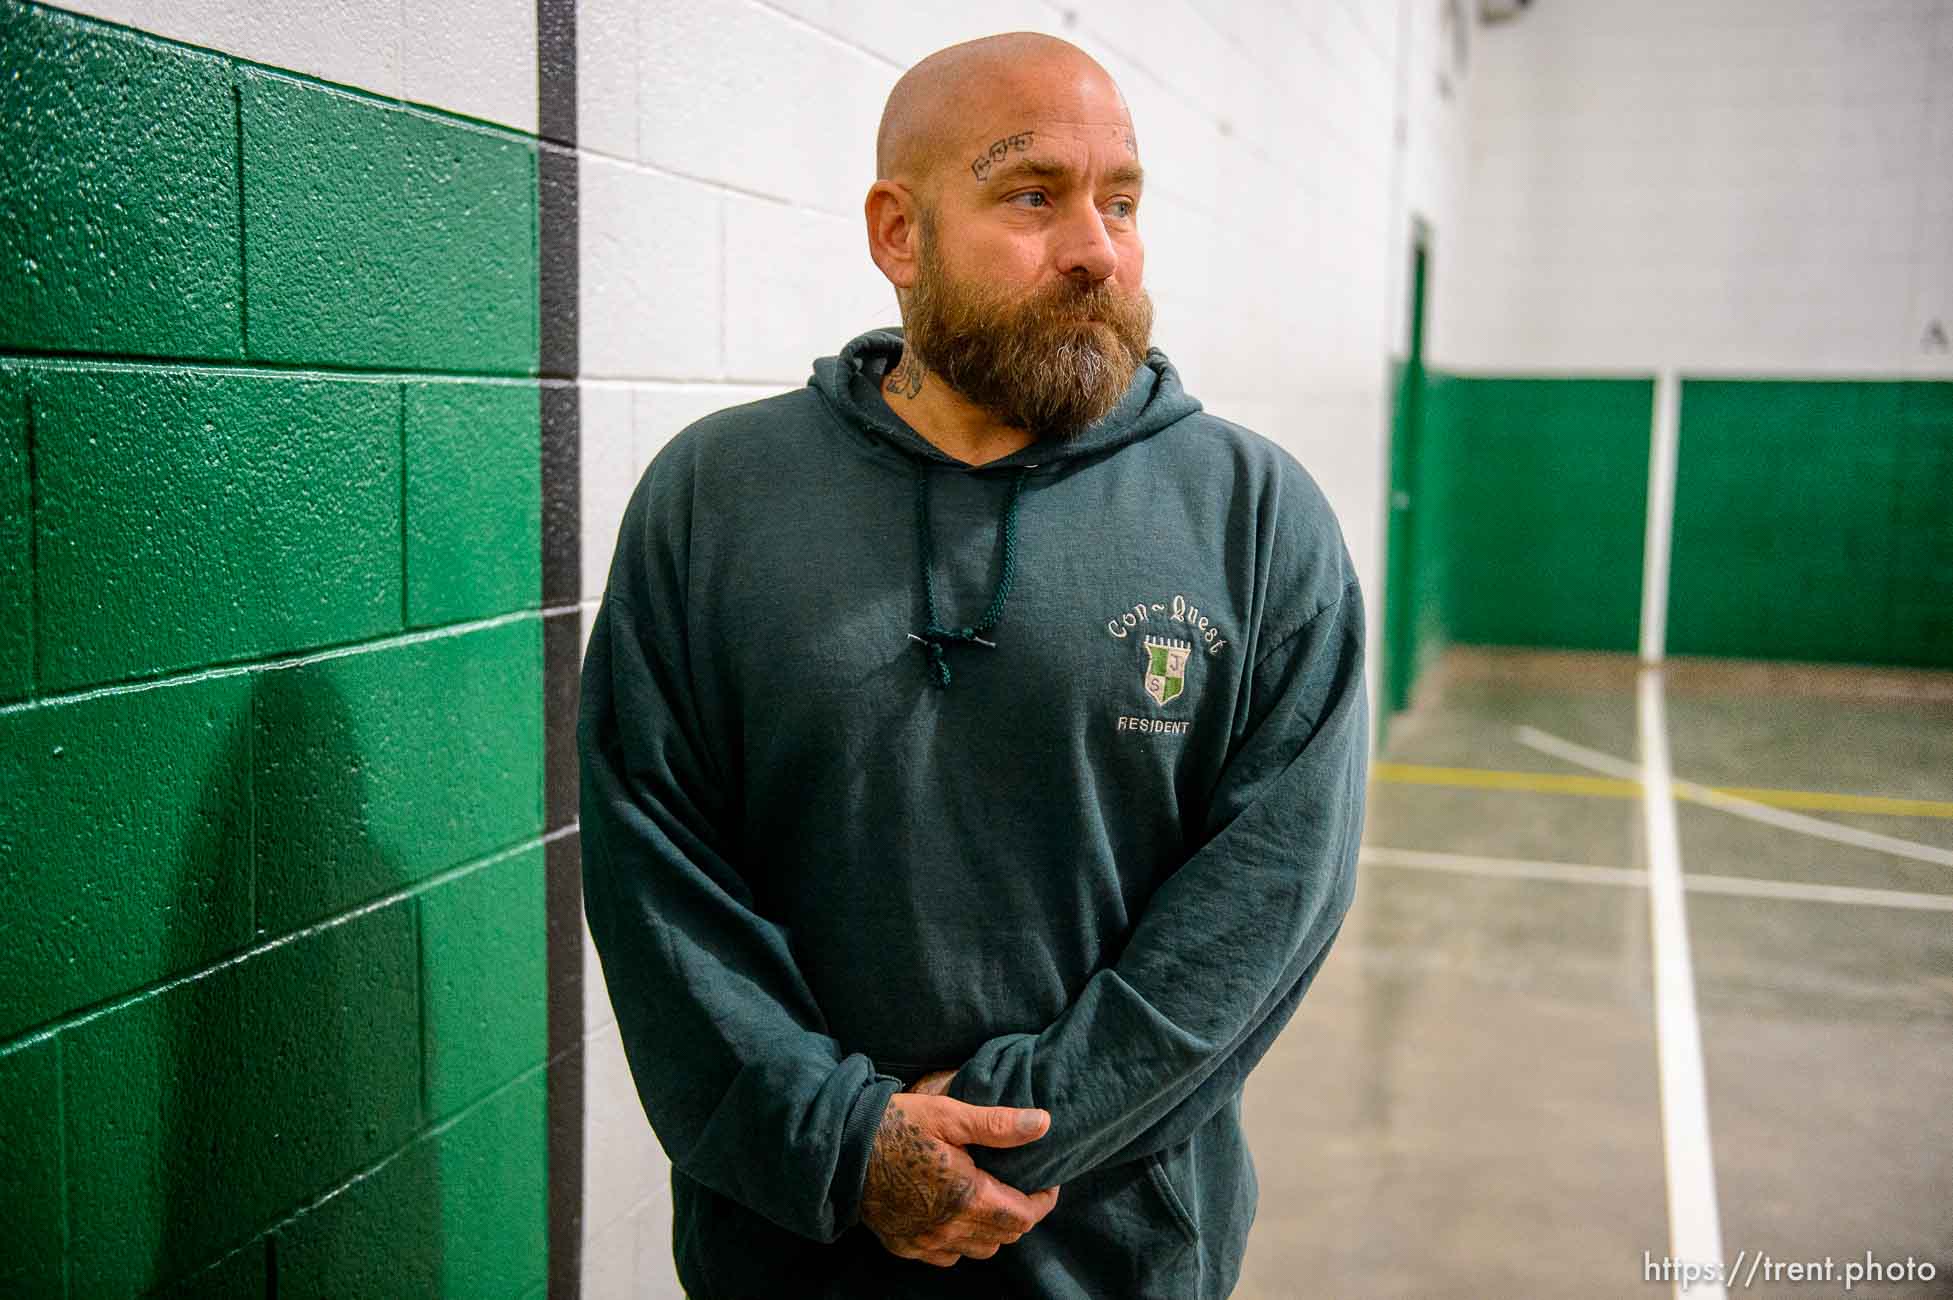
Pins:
<point x="746" y="1090"/>
<point x="1155" y="1043"/>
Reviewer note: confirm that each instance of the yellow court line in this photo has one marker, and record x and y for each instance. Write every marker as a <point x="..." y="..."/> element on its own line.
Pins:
<point x="1479" y="778"/>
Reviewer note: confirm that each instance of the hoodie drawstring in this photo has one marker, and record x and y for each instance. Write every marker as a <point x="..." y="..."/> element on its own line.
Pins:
<point x="935" y="637"/>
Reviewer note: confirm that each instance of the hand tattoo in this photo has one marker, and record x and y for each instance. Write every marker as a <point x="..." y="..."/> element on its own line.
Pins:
<point x="906" y="378"/>
<point x="910" y="1188"/>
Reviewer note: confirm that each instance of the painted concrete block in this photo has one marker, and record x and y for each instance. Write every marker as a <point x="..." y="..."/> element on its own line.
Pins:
<point x="353" y="42"/>
<point x="1182" y="248"/>
<point x="623" y="1163"/>
<point x="484" y="979"/>
<point x="474" y="501"/>
<point x="190" y="518"/>
<point x="378" y="768"/>
<point x="378" y="1236"/>
<point x="110" y="882"/>
<point x="749" y="98"/>
<point x="30" y="1170"/>
<point x="561" y="783"/>
<point x="475" y="57"/>
<point x="243" y="1274"/>
<point x="563" y="904"/>
<point x="460" y="1212"/>
<point x="654" y="1257"/>
<point x="610" y="1262"/>
<point x="799" y="285"/>
<point x="560" y="261"/>
<point x="384" y="236"/>
<point x="608" y="477"/>
<point x="597" y="1011"/>
<point x="495" y="1192"/>
<point x="16" y="543"/>
<point x="562" y="574"/>
<point x="652" y="297"/>
<point x="119" y="188"/>
<point x="630" y="1259"/>
<point x="198" y="1114"/>
<point x="903" y="35"/>
<point x="606" y="76"/>
<point x="1179" y="47"/>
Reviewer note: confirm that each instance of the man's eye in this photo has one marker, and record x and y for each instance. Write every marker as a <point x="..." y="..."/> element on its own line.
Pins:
<point x="1121" y="209"/>
<point x="1030" y="199"/>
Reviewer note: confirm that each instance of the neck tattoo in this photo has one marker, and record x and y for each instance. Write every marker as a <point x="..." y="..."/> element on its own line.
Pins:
<point x="906" y="378"/>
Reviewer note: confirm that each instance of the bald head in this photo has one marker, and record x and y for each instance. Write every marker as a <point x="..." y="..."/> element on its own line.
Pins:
<point x="967" y="88"/>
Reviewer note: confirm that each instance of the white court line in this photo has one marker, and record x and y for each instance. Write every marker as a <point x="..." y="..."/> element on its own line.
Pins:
<point x="1849" y="895"/>
<point x="1663" y="441"/>
<point x="1694" y="1224"/>
<point x="1578" y="873"/>
<point x="1596" y="761"/>
<point x="1591" y="759"/>
<point x="1586" y="873"/>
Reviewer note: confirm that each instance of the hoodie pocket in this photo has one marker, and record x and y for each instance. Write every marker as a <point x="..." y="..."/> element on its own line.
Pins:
<point x="1160" y="1168"/>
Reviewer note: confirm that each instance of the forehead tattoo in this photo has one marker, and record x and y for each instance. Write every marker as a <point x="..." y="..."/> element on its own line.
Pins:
<point x="999" y="150"/>
<point x="991" y="161"/>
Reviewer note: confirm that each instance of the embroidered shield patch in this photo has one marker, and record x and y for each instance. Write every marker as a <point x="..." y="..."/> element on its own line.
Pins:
<point x="1166" y="668"/>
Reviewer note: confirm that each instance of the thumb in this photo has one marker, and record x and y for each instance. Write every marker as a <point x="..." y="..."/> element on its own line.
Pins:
<point x="989" y="1126"/>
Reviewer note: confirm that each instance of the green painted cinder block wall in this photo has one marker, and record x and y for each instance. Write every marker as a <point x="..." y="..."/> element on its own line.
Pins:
<point x="272" y="986"/>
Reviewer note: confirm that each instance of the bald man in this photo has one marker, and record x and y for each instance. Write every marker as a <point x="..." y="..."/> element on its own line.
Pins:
<point x="973" y="748"/>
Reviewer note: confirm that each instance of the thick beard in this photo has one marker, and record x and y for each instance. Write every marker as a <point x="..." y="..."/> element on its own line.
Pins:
<point x="1050" y="364"/>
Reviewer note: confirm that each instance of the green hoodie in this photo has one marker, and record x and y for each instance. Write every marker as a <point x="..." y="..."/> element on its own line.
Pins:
<point x="1049" y="770"/>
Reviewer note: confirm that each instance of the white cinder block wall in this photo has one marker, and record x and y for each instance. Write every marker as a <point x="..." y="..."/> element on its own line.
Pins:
<point x="1750" y="186"/>
<point x="726" y="149"/>
<point x="1437" y="71"/>
<point x="474" y="57"/>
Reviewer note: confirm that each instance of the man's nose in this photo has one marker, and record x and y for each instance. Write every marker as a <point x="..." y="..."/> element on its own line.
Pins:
<point x="1088" y="250"/>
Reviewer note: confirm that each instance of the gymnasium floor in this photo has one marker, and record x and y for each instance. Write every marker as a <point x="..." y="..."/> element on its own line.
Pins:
<point x="1469" y="1101"/>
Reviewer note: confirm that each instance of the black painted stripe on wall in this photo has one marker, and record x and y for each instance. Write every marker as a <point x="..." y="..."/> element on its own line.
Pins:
<point x="562" y="582"/>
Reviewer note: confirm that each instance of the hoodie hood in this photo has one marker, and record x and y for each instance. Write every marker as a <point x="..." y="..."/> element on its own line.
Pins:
<point x="851" y="384"/>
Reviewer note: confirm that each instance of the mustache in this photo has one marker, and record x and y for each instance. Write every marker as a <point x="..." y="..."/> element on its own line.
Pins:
<point x="1070" y="301"/>
<point x="1080" y="294"/>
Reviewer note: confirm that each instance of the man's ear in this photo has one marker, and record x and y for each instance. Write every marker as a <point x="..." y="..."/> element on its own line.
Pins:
<point x="893" y="233"/>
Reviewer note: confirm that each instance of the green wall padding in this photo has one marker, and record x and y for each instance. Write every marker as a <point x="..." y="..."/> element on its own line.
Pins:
<point x="1431" y="546"/>
<point x="1541" y="490"/>
<point x="1812" y="521"/>
<point x="1415" y="620"/>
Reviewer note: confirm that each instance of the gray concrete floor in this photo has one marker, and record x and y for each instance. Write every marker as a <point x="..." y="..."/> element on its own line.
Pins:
<point x="1467" y="1103"/>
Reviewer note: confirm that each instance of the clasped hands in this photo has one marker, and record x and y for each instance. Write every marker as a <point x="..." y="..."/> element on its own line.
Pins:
<point x="924" y="1198"/>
